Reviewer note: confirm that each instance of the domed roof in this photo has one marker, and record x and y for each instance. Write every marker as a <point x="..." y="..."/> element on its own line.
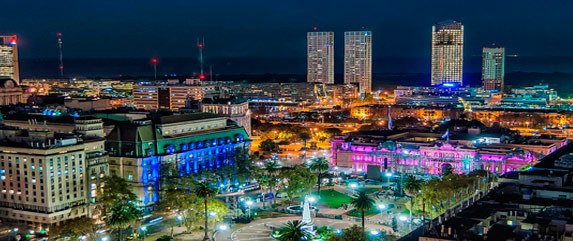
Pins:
<point x="8" y="83"/>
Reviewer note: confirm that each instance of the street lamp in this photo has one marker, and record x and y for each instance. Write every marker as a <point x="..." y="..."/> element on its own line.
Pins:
<point x="222" y="227"/>
<point x="403" y="218"/>
<point x="143" y="229"/>
<point x="381" y="206"/>
<point x="388" y="175"/>
<point x="311" y="199"/>
<point x="249" y="204"/>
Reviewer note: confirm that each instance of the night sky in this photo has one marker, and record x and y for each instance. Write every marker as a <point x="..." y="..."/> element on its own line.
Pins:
<point x="270" y="28"/>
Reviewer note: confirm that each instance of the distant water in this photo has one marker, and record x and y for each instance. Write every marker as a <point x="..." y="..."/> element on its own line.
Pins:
<point x="31" y="68"/>
<point x="387" y="70"/>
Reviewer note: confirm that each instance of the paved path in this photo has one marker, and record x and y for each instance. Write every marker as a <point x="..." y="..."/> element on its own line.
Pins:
<point x="260" y="230"/>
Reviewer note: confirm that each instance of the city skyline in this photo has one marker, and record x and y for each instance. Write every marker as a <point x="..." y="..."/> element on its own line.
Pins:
<point x="517" y="32"/>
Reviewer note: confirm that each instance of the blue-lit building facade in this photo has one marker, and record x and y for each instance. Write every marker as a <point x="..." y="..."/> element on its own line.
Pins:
<point x="192" y="143"/>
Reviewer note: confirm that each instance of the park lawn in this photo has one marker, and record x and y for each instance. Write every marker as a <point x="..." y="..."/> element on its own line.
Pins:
<point x="332" y="198"/>
<point x="356" y="213"/>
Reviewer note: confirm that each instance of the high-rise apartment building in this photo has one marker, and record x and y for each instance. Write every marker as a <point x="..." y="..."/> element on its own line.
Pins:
<point x="493" y="68"/>
<point x="320" y="52"/>
<point x="358" y="59"/>
<point x="9" y="58"/>
<point x="447" y="53"/>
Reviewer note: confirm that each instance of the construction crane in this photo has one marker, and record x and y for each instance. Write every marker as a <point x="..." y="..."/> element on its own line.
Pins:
<point x="467" y="105"/>
<point x="320" y="91"/>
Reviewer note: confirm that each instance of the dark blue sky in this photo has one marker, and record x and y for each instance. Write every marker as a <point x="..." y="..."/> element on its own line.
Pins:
<point x="249" y="28"/>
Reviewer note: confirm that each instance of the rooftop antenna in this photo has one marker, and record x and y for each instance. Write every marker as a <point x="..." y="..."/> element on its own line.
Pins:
<point x="200" y="45"/>
<point x="61" y="52"/>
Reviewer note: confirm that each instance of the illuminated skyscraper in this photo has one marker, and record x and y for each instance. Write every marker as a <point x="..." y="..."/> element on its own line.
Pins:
<point x="447" y="53"/>
<point x="493" y="68"/>
<point x="358" y="59"/>
<point x="320" y="51"/>
<point x="9" y="58"/>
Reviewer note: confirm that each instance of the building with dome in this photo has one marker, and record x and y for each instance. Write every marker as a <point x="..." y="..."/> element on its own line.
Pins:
<point x="10" y="92"/>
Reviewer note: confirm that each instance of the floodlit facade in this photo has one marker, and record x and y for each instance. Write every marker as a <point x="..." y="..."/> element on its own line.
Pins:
<point x="191" y="142"/>
<point x="9" y="58"/>
<point x="358" y="59"/>
<point x="447" y="53"/>
<point x="320" y="51"/>
<point x="493" y="68"/>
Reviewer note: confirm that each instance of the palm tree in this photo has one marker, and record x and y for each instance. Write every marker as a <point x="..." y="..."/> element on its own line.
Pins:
<point x="271" y="169"/>
<point x="122" y="215"/>
<point x="291" y="231"/>
<point x="319" y="165"/>
<point x="205" y="192"/>
<point x="362" y="202"/>
<point x="304" y="136"/>
<point x="412" y="187"/>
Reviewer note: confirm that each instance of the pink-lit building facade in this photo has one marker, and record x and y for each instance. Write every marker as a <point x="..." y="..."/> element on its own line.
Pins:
<point x="428" y="157"/>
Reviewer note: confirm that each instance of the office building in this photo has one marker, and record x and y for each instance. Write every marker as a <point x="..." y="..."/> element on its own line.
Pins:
<point x="493" y="68"/>
<point x="9" y="58"/>
<point x="235" y="109"/>
<point x="447" y="53"/>
<point x="43" y="177"/>
<point x="320" y="51"/>
<point x="167" y="96"/>
<point x="138" y="149"/>
<point x="358" y="59"/>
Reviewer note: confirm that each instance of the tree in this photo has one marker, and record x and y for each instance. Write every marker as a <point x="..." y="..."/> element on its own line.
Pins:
<point x="268" y="145"/>
<point x="298" y="181"/>
<point x="320" y="166"/>
<point x="304" y="136"/>
<point x="412" y="187"/>
<point x="291" y="231"/>
<point x="116" y="190"/>
<point x="354" y="233"/>
<point x="271" y="170"/>
<point x="122" y="215"/>
<point x="73" y="229"/>
<point x="194" y="216"/>
<point x="176" y="197"/>
<point x="406" y="122"/>
<point x="206" y="193"/>
<point x="362" y="202"/>
<point x="164" y="238"/>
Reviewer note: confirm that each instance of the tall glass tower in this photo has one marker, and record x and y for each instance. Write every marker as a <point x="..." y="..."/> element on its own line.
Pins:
<point x="9" y="58"/>
<point x="493" y="68"/>
<point x="358" y="59"/>
<point x="447" y="53"/>
<point x="320" y="52"/>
